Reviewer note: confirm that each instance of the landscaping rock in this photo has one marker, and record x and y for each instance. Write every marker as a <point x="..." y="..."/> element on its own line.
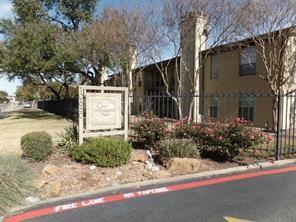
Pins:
<point x="183" y="165"/>
<point x="139" y="156"/>
<point x="92" y="167"/>
<point x="118" y="173"/>
<point x="39" y="183"/>
<point x="135" y="162"/>
<point x="85" y="176"/>
<point x="148" y="175"/>
<point x="155" y="168"/>
<point x="162" y="174"/>
<point x="50" y="170"/>
<point x="115" y="184"/>
<point x="54" y="189"/>
<point x="31" y="200"/>
<point x="148" y="165"/>
<point x="149" y="154"/>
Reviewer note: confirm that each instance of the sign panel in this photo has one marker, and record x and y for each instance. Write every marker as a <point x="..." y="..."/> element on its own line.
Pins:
<point x="103" y="111"/>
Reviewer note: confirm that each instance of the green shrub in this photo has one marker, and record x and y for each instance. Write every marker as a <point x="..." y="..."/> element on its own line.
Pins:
<point x="68" y="139"/>
<point x="15" y="183"/>
<point x="37" y="145"/>
<point x="104" y="152"/>
<point x="183" y="148"/>
<point x="150" y="131"/>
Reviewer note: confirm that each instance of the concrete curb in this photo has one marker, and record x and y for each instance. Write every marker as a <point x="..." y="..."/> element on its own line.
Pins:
<point x="206" y="174"/>
<point x="234" y="219"/>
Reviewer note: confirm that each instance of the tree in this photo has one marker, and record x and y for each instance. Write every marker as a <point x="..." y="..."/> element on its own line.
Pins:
<point x="88" y="53"/>
<point x="31" y="48"/>
<point x="29" y="91"/>
<point x="69" y="14"/>
<point x="270" y="27"/>
<point x="28" y="11"/>
<point x="31" y="53"/>
<point x="175" y="33"/>
<point x="105" y="45"/>
<point x="134" y="32"/>
<point x="3" y="96"/>
<point x="26" y="93"/>
<point x="82" y="45"/>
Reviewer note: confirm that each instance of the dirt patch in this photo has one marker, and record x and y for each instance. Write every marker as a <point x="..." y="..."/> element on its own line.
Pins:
<point x="79" y="178"/>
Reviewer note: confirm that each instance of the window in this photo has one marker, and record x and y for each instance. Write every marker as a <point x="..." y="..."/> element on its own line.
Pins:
<point x="158" y="80"/>
<point x="213" y="106"/>
<point x="214" y="67"/>
<point x="247" y="63"/>
<point x="246" y="107"/>
<point x="172" y="83"/>
<point x="139" y="82"/>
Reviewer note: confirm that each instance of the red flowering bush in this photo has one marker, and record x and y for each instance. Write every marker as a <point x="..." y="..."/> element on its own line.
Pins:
<point x="150" y="131"/>
<point x="185" y="129"/>
<point x="243" y="135"/>
<point x="227" y="139"/>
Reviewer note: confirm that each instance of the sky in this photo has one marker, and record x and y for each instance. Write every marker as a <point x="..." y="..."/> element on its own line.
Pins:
<point x="6" y="12"/>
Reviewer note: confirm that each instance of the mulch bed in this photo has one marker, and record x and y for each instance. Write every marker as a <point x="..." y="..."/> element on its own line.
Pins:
<point x="79" y="178"/>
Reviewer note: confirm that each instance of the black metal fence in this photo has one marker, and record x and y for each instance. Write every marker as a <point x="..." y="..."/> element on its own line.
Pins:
<point x="276" y="115"/>
<point x="265" y="111"/>
<point x="67" y="108"/>
<point x="256" y="108"/>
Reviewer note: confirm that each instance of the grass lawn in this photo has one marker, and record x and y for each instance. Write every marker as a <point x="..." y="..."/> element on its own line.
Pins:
<point x="18" y="123"/>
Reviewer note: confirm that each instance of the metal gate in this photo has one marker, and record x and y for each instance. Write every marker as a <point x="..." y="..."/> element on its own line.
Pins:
<point x="286" y="126"/>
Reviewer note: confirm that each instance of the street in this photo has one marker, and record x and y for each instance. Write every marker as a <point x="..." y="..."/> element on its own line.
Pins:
<point x="7" y="107"/>
<point x="264" y="195"/>
<point x="3" y="110"/>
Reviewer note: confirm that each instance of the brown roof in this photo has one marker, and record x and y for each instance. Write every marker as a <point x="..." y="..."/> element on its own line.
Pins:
<point x="247" y="41"/>
<point x="163" y="63"/>
<point x="224" y="47"/>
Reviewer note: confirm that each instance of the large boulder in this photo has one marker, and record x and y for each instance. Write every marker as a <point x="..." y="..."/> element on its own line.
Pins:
<point x="31" y="200"/>
<point x="162" y="174"/>
<point x="85" y="176"/>
<point x="50" y="170"/>
<point x="183" y="165"/>
<point x="139" y="156"/>
<point x="54" y="189"/>
<point x="39" y="183"/>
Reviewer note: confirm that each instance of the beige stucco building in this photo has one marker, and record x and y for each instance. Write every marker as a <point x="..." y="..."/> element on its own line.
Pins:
<point x="228" y="82"/>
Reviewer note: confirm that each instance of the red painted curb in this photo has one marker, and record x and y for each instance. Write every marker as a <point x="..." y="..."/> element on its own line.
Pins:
<point x="136" y="194"/>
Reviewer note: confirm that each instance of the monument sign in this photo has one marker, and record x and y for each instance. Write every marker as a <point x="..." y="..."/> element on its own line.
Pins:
<point x="103" y="111"/>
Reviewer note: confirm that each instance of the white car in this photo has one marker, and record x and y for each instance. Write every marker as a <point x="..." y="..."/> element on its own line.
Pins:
<point x="27" y="105"/>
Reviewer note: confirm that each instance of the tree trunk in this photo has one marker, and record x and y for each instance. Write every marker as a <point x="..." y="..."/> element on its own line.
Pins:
<point x="66" y="90"/>
<point x="274" y="112"/>
<point x="97" y="80"/>
<point x="56" y="94"/>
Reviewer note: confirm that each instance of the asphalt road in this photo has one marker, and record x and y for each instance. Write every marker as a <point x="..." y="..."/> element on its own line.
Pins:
<point x="8" y="107"/>
<point x="269" y="198"/>
<point x="3" y="106"/>
<point x="3" y="110"/>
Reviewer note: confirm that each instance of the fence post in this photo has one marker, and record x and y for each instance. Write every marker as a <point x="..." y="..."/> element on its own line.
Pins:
<point x="278" y="127"/>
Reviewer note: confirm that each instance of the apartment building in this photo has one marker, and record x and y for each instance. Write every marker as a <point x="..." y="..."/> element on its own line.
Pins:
<point x="228" y="85"/>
